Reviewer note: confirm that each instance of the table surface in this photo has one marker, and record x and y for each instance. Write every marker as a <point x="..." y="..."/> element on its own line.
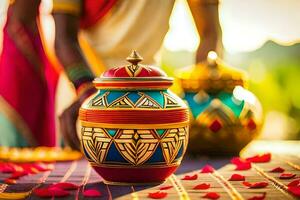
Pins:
<point x="285" y="154"/>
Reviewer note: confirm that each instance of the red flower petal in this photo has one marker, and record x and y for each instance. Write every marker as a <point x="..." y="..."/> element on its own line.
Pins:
<point x="260" y="197"/>
<point x="8" y="167"/>
<point x="277" y="170"/>
<point x="211" y="195"/>
<point x="295" y="183"/>
<point x="294" y="190"/>
<point x="287" y="176"/>
<point x="19" y="174"/>
<point x="243" y="166"/>
<point x="157" y="195"/>
<point x="260" y="158"/>
<point x="166" y="187"/>
<point x="41" y="167"/>
<point x="189" y="178"/>
<point x="10" y="181"/>
<point x="240" y="163"/>
<point x="202" y="186"/>
<point x="91" y="193"/>
<point x="29" y="168"/>
<point x="256" y="184"/>
<point x="236" y="177"/>
<point x="51" y="192"/>
<point x="65" y="186"/>
<point x="207" y="169"/>
<point x="237" y="160"/>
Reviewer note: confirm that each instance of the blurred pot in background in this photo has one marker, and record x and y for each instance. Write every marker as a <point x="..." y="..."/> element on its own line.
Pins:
<point x="225" y="116"/>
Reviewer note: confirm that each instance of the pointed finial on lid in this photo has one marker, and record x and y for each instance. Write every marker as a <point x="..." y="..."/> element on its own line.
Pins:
<point x="134" y="58"/>
<point x="212" y="58"/>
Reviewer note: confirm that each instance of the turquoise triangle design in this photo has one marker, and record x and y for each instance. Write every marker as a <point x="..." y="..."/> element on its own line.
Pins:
<point x="156" y="96"/>
<point x="113" y="95"/>
<point x="134" y="97"/>
<point x="160" y="131"/>
<point x="112" y="132"/>
<point x="226" y="99"/>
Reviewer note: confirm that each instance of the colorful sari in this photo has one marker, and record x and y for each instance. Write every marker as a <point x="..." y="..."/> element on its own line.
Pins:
<point x="27" y="88"/>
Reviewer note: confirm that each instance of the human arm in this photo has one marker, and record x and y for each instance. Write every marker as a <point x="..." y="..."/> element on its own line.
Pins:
<point x="72" y="59"/>
<point x="206" y="18"/>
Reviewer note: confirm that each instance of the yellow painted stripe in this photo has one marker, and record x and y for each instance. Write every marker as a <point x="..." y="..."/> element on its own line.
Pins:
<point x="135" y="126"/>
<point x="183" y="195"/>
<point x="231" y="191"/>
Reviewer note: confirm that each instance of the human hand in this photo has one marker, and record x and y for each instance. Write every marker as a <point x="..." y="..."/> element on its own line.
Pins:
<point x="68" y="118"/>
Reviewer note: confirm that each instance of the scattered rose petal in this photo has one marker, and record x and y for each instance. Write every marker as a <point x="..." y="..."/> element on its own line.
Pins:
<point x="202" y="186"/>
<point x="295" y="183"/>
<point x="294" y="190"/>
<point x="277" y="170"/>
<point x="211" y="195"/>
<point x="17" y="174"/>
<point x="260" y="158"/>
<point x="10" y="181"/>
<point x="243" y="166"/>
<point x="91" y="193"/>
<point x="240" y="164"/>
<point x="237" y="160"/>
<point x="41" y="167"/>
<point x="65" y="186"/>
<point x="236" y="177"/>
<point x="190" y="178"/>
<point x="256" y="184"/>
<point x="207" y="169"/>
<point x="157" y="195"/>
<point x="6" y="169"/>
<point x="166" y="187"/>
<point x="287" y="176"/>
<point x="258" y="197"/>
<point x="29" y="168"/>
<point x="50" y="192"/>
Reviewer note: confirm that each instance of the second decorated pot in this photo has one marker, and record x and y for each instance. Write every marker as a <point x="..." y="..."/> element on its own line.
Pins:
<point x="134" y="130"/>
<point x="224" y="115"/>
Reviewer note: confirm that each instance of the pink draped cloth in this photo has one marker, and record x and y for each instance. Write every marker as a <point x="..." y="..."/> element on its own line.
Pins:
<point x="28" y="82"/>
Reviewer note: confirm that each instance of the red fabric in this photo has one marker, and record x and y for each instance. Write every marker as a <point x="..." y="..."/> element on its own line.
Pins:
<point x="135" y="175"/>
<point x="29" y="91"/>
<point x="94" y="10"/>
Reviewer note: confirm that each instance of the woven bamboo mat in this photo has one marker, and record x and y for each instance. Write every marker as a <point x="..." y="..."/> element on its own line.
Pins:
<point x="284" y="154"/>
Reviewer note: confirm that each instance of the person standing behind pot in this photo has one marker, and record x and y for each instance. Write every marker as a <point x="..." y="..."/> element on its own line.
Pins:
<point x="113" y="28"/>
<point x="27" y="80"/>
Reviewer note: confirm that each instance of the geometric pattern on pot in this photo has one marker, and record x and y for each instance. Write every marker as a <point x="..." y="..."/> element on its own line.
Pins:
<point x="135" y="99"/>
<point x="173" y="141"/>
<point x="95" y="143"/>
<point x="134" y="146"/>
<point x="217" y="111"/>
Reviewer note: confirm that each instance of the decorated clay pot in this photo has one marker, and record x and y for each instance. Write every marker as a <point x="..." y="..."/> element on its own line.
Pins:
<point x="134" y="130"/>
<point x="224" y="116"/>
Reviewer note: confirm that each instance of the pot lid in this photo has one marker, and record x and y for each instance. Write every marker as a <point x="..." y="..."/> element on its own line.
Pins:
<point x="212" y="75"/>
<point x="134" y="76"/>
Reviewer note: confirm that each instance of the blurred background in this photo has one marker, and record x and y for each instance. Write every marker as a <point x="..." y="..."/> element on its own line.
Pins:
<point x="260" y="37"/>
